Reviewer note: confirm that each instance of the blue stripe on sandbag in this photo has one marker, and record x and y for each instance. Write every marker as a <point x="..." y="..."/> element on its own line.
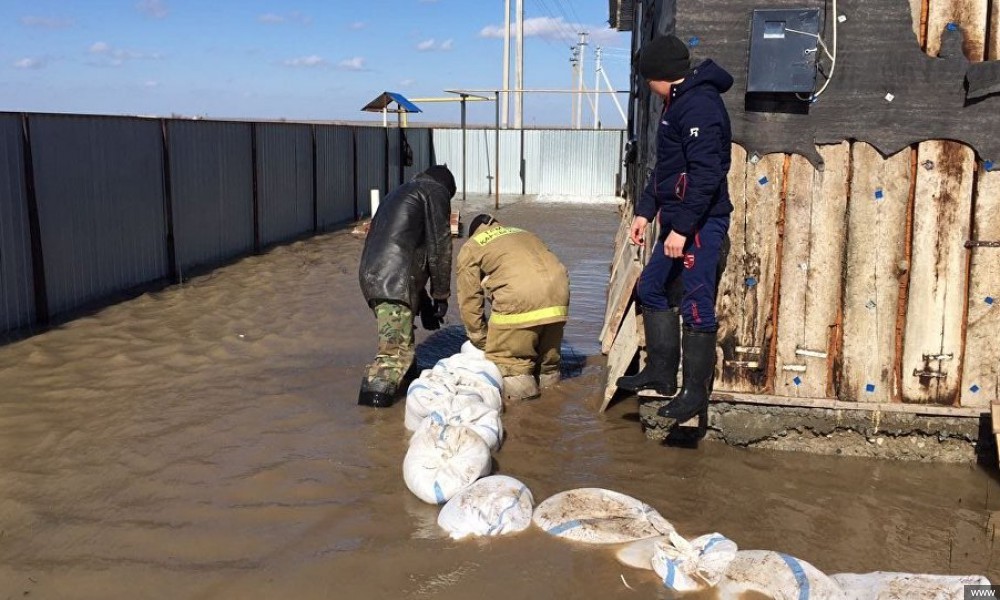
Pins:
<point x="495" y="383"/>
<point x="800" y="575"/>
<point x="715" y="539"/>
<point x="436" y="417"/>
<point x="500" y="517"/>
<point x="438" y="494"/>
<point x="668" y="579"/>
<point x="564" y="527"/>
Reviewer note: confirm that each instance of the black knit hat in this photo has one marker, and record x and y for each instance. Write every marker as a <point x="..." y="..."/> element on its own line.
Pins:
<point x="483" y="219"/>
<point x="665" y="58"/>
<point x="442" y="175"/>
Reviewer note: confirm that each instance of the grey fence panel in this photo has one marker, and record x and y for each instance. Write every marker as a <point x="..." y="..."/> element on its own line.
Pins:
<point x="395" y="157"/>
<point x="211" y="183"/>
<point x="533" y="165"/>
<point x="99" y="187"/>
<point x="284" y="181"/>
<point x="334" y="175"/>
<point x="423" y="157"/>
<point x="579" y="163"/>
<point x="371" y="148"/>
<point x="17" y="294"/>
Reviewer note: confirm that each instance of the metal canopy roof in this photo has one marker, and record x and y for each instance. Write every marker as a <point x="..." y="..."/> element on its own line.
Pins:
<point x="382" y="101"/>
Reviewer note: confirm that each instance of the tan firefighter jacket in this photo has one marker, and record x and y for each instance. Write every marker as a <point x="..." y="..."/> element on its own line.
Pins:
<point x="523" y="280"/>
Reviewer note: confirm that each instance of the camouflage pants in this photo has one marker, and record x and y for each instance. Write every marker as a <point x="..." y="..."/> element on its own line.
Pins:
<point x="395" y="343"/>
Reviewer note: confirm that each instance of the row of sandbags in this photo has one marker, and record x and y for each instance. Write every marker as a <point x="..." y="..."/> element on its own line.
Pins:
<point x="454" y="410"/>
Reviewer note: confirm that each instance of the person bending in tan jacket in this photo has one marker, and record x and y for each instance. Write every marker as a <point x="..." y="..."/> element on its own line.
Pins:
<point x="528" y="291"/>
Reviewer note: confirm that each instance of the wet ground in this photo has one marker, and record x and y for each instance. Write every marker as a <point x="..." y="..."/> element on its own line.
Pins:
<point x="204" y="442"/>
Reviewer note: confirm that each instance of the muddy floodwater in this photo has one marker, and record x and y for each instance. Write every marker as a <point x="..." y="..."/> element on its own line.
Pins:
<point x="204" y="442"/>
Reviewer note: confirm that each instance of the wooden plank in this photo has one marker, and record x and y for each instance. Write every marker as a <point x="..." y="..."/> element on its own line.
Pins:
<point x="938" y="276"/>
<point x="811" y="262"/>
<point x="456" y="223"/>
<point x="834" y="404"/>
<point x="621" y="355"/>
<point x="993" y="42"/>
<point x="917" y="8"/>
<point x="875" y="260"/>
<point x="745" y="296"/>
<point x="970" y="15"/>
<point x="995" y="418"/>
<point x="981" y="365"/>
<point x="620" y="294"/>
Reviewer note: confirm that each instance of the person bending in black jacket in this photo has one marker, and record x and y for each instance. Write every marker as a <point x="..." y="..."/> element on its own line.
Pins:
<point x="688" y="192"/>
<point x="408" y="243"/>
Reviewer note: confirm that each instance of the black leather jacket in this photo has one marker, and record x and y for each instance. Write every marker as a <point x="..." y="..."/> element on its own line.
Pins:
<point x="409" y="241"/>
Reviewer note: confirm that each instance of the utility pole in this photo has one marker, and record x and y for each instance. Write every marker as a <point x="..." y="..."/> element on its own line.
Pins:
<point x="519" y="95"/>
<point x="582" y="44"/>
<point x="505" y="106"/>
<point x="574" y="63"/>
<point x="597" y="88"/>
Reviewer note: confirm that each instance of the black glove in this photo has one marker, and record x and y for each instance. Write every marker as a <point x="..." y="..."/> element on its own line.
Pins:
<point x="428" y="318"/>
<point x="440" y="309"/>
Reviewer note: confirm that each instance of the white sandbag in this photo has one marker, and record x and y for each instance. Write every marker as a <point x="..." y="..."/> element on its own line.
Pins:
<point x="469" y="370"/>
<point x="778" y="576"/>
<point x="469" y="349"/>
<point x="639" y="554"/>
<point x="481" y="392"/>
<point x="699" y="564"/>
<point x="444" y="460"/>
<point x="495" y="505"/>
<point x="599" y="516"/>
<point x="427" y="393"/>
<point x="464" y="411"/>
<point x="882" y="585"/>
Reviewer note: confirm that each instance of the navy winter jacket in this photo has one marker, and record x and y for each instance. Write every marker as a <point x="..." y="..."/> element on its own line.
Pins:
<point x="688" y="184"/>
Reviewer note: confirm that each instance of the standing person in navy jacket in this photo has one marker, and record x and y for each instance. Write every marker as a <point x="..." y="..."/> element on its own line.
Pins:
<point x="688" y="191"/>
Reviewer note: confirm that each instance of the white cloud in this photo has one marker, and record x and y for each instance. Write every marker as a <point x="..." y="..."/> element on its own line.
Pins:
<point x="431" y="44"/>
<point x="292" y="17"/>
<point x="358" y="25"/>
<point x="151" y="84"/>
<point x="108" y="55"/>
<point x="30" y="63"/>
<point x="355" y="63"/>
<point x="407" y="82"/>
<point x="156" y="9"/>
<point x="556" y="29"/>
<point x="46" y="22"/>
<point x="306" y="61"/>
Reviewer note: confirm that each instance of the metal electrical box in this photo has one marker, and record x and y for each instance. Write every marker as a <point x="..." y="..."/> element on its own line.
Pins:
<point x="783" y="50"/>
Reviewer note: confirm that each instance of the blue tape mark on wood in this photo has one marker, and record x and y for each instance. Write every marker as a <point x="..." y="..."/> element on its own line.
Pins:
<point x="975" y="389"/>
<point x="878" y="194"/>
<point x="694" y="41"/>
<point x="952" y="26"/>
<point x="870" y="388"/>
<point x="797" y="380"/>
<point x="762" y="180"/>
<point x="989" y="300"/>
<point x="988" y="165"/>
<point x="751" y="281"/>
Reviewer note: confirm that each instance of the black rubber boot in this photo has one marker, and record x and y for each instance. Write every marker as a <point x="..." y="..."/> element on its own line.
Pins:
<point x="699" y="371"/>
<point x="376" y="393"/>
<point x="663" y="354"/>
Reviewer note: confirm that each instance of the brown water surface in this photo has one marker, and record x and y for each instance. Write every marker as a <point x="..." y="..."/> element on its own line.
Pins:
<point x="204" y="442"/>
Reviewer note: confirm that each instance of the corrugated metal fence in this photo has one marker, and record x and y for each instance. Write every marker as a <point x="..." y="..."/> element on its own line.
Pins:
<point x="93" y="206"/>
<point x="559" y="162"/>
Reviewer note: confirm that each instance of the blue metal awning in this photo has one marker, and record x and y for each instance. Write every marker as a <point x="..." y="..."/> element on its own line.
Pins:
<point x="382" y="101"/>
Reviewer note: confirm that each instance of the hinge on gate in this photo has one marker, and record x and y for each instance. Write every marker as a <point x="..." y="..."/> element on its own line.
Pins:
<point x="747" y="349"/>
<point x="810" y="353"/>
<point x="925" y="374"/>
<point x="982" y="244"/>
<point x="745" y="364"/>
<point x="794" y="368"/>
<point x="929" y="357"/>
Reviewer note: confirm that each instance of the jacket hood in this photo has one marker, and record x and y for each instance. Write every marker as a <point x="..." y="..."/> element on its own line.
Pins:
<point x="707" y="73"/>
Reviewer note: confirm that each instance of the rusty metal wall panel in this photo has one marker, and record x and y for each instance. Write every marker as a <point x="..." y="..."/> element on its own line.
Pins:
<point x="284" y="181"/>
<point x="371" y="173"/>
<point x="17" y="295"/>
<point x="211" y="185"/>
<point x="99" y="186"/>
<point x="334" y="176"/>
<point x="423" y="155"/>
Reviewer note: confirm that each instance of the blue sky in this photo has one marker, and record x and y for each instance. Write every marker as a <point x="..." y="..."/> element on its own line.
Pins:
<point x="297" y="60"/>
